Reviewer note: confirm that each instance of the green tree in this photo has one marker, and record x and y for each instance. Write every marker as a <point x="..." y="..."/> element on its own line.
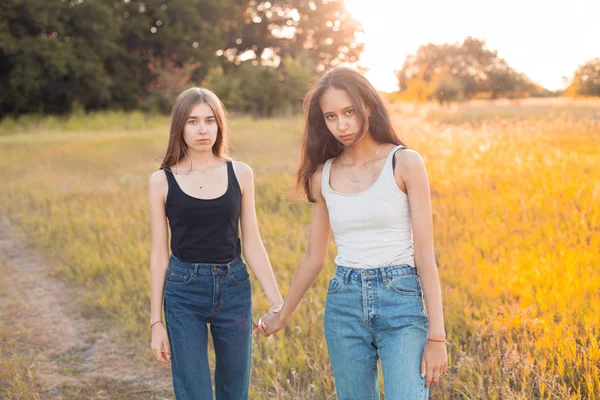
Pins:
<point x="321" y="28"/>
<point x="174" y="33"/>
<point x="477" y="68"/>
<point x="263" y="90"/>
<point x="227" y="87"/>
<point x="140" y="53"/>
<point x="586" y="80"/>
<point x="99" y="54"/>
<point x="296" y="76"/>
<point x="260" y="88"/>
<point x="52" y="55"/>
<point x="447" y="88"/>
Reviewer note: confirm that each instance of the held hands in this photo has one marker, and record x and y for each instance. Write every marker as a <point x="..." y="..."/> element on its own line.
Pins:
<point x="269" y="323"/>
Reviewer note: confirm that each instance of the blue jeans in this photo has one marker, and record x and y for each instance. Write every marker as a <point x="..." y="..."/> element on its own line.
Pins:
<point x="220" y="295"/>
<point x="376" y="314"/>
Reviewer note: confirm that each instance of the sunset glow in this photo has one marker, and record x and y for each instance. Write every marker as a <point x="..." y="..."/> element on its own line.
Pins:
<point x="546" y="40"/>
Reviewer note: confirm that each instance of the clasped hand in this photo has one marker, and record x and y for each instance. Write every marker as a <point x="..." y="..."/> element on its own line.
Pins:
<point x="269" y="323"/>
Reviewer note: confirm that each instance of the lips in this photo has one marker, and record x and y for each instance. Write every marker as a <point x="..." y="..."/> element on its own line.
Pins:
<point x="346" y="137"/>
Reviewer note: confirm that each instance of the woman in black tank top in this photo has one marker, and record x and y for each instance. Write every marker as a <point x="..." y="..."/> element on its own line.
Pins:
<point x="204" y="284"/>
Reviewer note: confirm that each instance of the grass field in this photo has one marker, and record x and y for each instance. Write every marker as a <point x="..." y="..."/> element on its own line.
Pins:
<point x="516" y="199"/>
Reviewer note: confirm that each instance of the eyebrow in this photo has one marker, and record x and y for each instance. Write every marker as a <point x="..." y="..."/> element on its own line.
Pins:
<point x="343" y="109"/>
<point x="197" y="117"/>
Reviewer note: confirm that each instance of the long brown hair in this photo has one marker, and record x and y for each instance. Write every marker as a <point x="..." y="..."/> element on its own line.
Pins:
<point x="177" y="149"/>
<point x="318" y="144"/>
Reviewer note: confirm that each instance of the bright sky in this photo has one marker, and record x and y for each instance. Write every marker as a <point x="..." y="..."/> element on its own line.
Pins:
<point x="545" y="39"/>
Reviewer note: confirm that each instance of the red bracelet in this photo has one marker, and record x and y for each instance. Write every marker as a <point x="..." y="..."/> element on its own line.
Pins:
<point x="154" y="323"/>
<point x="437" y="341"/>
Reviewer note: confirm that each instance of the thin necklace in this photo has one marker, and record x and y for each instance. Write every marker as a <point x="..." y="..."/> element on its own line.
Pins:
<point x="366" y="173"/>
<point x="205" y="175"/>
<point x="201" y="186"/>
<point x="205" y="170"/>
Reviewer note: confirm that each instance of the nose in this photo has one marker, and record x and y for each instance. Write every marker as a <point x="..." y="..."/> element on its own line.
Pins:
<point x="342" y="125"/>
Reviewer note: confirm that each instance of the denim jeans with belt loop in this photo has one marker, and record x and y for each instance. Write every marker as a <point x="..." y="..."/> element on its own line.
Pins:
<point x="373" y="314"/>
<point x="217" y="295"/>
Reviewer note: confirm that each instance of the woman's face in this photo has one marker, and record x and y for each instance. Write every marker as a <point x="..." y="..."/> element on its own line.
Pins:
<point x="340" y="115"/>
<point x="200" y="130"/>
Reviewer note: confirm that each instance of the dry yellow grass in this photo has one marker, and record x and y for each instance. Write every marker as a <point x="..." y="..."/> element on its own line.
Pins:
<point x="516" y="197"/>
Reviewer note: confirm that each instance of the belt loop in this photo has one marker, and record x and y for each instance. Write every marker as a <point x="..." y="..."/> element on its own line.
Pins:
<point x="195" y="269"/>
<point x="230" y="267"/>
<point x="347" y="275"/>
<point x="384" y="275"/>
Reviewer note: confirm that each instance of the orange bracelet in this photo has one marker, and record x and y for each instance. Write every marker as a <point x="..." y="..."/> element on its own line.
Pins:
<point x="154" y="323"/>
<point x="437" y="341"/>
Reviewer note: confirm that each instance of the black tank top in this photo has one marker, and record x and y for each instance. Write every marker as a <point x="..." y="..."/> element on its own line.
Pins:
<point x="204" y="231"/>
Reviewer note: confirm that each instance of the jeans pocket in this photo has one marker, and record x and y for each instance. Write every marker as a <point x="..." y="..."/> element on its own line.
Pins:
<point x="240" y="275"/>
<point x="407" y="285"/>
<point x="335" y="284"/>
<point x="178" y="277"/>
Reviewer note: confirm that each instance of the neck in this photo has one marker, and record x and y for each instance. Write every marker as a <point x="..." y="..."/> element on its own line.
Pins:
<point x="200" y="160"/>
<point x="361" y="152"/>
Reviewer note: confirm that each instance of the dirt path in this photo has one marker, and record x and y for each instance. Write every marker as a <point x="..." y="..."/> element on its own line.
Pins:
<point x="74" y="357"/>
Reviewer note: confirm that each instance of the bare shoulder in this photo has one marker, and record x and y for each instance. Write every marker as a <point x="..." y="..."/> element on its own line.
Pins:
<point x="317" y="176"/>
<point x="158" y="186"/>
<point x="315" y="182"/>
<point x="157" y="179"/>
<point x="242" y="168"/>
<point x="409" y="160"/>
<point x="244" y="175"/>
<point x="410" y="169"/>
<point x="243" y="171"/>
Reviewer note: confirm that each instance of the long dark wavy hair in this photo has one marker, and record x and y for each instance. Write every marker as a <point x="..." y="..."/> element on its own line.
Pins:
<point x="177" y="149"/>
<point x="318" y="144"/>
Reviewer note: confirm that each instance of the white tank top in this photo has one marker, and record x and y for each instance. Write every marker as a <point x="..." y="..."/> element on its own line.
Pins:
<point x="372" y="228"/>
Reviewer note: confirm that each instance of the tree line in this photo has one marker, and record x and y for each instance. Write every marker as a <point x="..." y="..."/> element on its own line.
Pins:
<point x="89" y="54"/>
<point x="586" y="80"/>
<point x="260" y="57"/>
<point x="467" y="70"/>
<point x="461" y="71"/>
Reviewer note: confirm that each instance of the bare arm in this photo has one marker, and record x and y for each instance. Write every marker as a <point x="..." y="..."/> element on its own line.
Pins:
<point x="434" y="362"/>
<point x="159" y="262"/>
<point x="252" y="244"/>
<point x="414" y="176"/>
<point x="159" y="253"/>
<point x="311" y="263"/>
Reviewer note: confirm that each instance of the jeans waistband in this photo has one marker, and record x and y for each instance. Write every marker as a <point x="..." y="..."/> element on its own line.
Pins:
<point x="384" y="273"/>
<point x="207" y="268"/>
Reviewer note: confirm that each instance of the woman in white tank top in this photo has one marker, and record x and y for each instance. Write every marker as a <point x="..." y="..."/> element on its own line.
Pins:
<point x="373" y="194"/>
